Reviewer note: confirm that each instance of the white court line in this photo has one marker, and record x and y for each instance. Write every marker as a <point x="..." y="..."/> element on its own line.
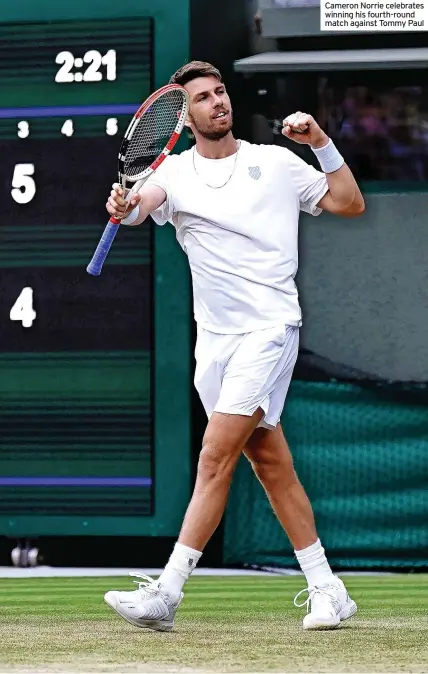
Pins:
<point x="69" y="572"/>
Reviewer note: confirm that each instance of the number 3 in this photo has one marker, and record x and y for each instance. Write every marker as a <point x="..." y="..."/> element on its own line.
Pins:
<point x="23" y="310"/>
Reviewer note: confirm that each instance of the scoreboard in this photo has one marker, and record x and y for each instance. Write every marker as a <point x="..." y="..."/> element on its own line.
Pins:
<point x="77" y="353"/>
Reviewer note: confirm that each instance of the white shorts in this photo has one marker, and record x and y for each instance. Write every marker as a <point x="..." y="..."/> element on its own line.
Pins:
<point x="237" y="374"/>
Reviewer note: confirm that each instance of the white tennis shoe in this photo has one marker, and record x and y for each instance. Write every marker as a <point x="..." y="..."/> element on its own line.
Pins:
<point x="327" y="606"/>
<point x="148" y="607"/>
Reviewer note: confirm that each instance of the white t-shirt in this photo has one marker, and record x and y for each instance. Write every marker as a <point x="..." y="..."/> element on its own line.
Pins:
<point x="241" y="239"/>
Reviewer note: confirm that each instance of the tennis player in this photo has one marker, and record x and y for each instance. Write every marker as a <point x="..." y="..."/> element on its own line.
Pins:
<point x="235" y="207"/>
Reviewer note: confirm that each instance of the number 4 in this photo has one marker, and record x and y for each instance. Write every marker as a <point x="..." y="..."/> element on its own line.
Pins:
<point x="23" y="310"/>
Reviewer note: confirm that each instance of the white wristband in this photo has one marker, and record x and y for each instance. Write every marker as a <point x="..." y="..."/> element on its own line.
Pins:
<point x="329" y="157"/>
<point x="132" y="217"/>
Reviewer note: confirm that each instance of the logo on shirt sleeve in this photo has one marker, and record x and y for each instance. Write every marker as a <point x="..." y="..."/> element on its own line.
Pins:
<point x="254" y="172"/>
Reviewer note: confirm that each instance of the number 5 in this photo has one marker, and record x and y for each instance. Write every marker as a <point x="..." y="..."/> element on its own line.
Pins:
<point x="24" y="187"/>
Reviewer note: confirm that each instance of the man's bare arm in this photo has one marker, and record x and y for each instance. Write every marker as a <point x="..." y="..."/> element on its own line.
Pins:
<point x="343" y="196"/>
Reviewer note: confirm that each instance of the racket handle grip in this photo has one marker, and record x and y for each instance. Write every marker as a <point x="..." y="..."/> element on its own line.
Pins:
<point x="100" y="255"/>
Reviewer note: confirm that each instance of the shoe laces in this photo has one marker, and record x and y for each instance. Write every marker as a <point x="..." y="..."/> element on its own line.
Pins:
<point x="147" y="584"/>
<point x="326" y="592"/>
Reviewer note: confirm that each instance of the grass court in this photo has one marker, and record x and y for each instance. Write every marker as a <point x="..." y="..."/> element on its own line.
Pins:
<point x="225" y="624"/>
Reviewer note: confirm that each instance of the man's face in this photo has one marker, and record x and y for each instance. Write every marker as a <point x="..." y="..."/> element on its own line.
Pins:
<point x="210" y="112"/>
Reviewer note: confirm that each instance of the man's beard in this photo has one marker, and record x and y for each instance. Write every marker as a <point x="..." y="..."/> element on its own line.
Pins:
<point x="213" y="134"/>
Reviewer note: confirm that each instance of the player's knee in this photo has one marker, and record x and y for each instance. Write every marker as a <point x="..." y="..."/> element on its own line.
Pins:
<point x="272" y="470"/>
<point x="215" y="462"/>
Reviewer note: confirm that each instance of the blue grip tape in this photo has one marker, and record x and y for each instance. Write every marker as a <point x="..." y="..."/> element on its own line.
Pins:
<point x="96" y="264"/>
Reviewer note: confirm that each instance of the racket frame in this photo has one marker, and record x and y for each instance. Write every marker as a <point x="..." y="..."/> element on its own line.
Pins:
<point x="139" y="180"/>
<point x="95" y="266"/>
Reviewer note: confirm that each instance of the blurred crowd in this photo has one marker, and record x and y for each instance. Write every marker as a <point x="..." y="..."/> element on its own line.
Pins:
<point x="381" y="131"/>
<point x="383" y="134"/>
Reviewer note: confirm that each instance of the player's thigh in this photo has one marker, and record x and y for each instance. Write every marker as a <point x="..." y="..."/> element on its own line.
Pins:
<point x="268" y="448"/>
<point x="227" y="434"/>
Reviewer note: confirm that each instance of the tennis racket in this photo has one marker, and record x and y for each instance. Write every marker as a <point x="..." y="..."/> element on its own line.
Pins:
<point x="149" y="138"/>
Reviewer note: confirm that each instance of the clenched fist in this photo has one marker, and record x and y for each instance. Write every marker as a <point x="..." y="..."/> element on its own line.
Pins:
<point x="118" y="206"/>
<point x="302" y="128"/>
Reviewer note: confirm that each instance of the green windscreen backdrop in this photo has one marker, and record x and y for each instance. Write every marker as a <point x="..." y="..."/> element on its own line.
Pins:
<point x="362" y="456"/>
<point x="93" y="436"/>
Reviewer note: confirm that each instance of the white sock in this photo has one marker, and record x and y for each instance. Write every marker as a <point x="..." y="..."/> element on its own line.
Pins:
<point x="180" y="565"/>
<point x="314" y="565"/>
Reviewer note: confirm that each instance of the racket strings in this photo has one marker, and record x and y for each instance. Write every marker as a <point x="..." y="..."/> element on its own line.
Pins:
<point x="153" y="132"/>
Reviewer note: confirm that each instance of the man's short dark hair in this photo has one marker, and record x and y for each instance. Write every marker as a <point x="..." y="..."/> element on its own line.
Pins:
<point x="190" y="71"/>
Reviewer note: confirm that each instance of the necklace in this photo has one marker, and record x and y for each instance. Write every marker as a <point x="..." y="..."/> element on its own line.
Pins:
<point x="217" y="187"/>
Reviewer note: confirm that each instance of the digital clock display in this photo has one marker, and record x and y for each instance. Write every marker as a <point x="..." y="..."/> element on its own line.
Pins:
<point x="75" y="352"/>
<point x="94" y="71"/>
